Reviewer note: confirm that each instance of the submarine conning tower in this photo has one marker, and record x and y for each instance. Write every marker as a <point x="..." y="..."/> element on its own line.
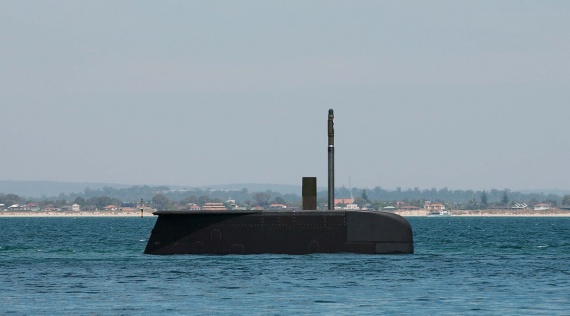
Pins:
<point x="283" y="232"/>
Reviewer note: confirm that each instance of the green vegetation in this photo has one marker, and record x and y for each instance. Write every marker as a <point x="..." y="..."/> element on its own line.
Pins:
<point x="162" y="197"/>
<point x="484" y="200"/>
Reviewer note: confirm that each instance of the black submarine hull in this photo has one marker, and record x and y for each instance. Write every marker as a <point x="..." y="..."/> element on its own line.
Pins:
<point x="279" y="232"/>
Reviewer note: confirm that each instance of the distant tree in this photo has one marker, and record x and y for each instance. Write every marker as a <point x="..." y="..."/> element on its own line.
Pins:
<point x="418" y="203"/>
<point x="203" y="199"/>
<point x="505" y="199"/>
<point x="10" y="199"/>
<point x="189" y="200"/>
<point x="471" y="204"/>
<point x="261" y="198"/>
<point x="360" y="201"/>
<point x="280" y="200"/>
<point x="365" y="196"/>
<point x="484" y="201"/>
<point x="377" y="205"/>
<point x="533" y="202"/>
<point x="59" y="203"/>
<point x="79" y="201"/>
<point x="98" y="202"/>
<point x="322" y="203"/>
<point x="160" y="201"/>
<point x="566" y="199"/>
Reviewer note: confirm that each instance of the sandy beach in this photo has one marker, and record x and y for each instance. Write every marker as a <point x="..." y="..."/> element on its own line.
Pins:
<point x="498" y="213"/>
<point x="75" y="214"/>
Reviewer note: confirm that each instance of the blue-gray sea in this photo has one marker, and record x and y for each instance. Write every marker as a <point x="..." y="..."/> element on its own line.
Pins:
<point x="461" y="265"/>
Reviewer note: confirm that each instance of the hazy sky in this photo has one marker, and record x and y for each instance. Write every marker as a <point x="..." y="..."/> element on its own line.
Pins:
<point x="457" y="94"/>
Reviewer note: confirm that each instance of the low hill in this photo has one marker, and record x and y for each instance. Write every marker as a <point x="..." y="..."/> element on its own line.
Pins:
<point x="51" y="188"/>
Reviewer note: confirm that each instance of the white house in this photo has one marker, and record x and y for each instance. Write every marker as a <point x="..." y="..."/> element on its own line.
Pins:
<point x="541" y="207"/>
<point x="352" y="207"/>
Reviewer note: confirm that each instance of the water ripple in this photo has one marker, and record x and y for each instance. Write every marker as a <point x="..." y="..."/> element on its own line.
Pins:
<point x="501" y="266"/>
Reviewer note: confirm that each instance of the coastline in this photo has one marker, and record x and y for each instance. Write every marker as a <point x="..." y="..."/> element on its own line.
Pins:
<point x="75" y="214"/>
<point x="417" y="213"/>
<point x="492" y="213"/>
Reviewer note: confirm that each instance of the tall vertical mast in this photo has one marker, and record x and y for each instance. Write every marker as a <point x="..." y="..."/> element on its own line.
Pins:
<point x="331" y="160"/>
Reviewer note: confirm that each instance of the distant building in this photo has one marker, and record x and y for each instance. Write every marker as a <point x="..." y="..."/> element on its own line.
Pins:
<point x="519" y="206"/>
<point x="344" y="201"/>
<point x="541" y="207"/>
<point x="434" y="207"/>
<point x="33" y="206"/>
<point x="194" y="207"/>
<point x="75" y="208"/>
<point x="15" y="207"/>
<point x="352" y="207"/>
<point x="110" y="208"/>
<point x="214" y="206"/>
<point x="277" y="206"/>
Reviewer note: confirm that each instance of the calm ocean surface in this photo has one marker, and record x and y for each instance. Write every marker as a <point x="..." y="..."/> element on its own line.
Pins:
<point x="462" y="265"/>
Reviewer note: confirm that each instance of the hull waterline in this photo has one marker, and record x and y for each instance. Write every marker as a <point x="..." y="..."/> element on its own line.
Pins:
<point x="301" y="232"/>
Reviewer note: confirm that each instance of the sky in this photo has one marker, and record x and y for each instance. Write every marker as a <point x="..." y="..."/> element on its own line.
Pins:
<point x="428" y="94"/>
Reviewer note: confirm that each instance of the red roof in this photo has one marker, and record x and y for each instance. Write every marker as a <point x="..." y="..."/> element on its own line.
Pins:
<point x="343" y="201"/>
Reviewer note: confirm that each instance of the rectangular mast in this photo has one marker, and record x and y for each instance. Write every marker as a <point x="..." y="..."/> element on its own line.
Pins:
<point x="331" y="160"/>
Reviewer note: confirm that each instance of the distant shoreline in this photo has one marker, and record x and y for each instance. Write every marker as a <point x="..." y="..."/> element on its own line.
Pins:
<point x="418" y="213"/>
<point x="493" y="213"/>
<point x="75" y="214"/>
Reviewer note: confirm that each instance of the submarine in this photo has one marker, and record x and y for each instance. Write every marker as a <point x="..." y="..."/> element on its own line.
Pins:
<point x="294" y="232"/>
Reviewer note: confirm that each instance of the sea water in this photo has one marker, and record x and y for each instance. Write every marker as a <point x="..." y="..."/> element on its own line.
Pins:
<point x="461" y="265"/>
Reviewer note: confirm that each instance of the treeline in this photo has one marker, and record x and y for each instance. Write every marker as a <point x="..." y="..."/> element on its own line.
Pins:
<point x="163" y="196"/>
<point x="160" y="196"/>
<point x="445" y="195"/>
<point x="135" y="193"/>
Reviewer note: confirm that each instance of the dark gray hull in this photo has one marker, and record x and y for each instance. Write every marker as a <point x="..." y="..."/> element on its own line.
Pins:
<point x="301" y="232"/>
